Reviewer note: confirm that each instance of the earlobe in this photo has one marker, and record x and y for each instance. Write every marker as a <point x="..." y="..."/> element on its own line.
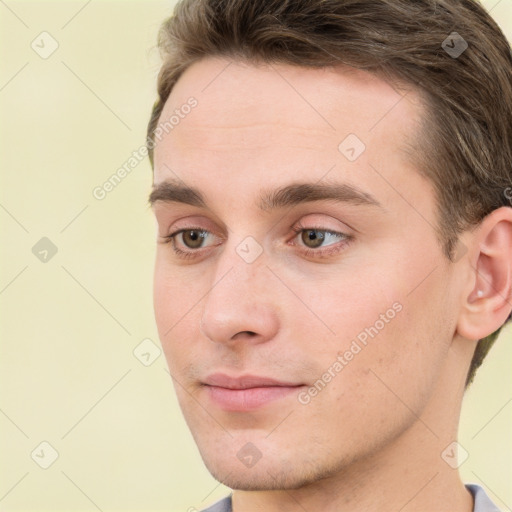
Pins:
<point x="489" y="303"/>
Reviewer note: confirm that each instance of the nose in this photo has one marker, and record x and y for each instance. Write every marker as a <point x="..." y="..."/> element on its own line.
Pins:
<point x="240" y="306"/>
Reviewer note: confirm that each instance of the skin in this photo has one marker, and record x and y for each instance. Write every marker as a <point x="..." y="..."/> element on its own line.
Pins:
<point x="372" y="438"/>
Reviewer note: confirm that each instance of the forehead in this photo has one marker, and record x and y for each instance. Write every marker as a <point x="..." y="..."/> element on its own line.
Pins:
<point x="249" y="116"/>
<point x="323" y="98"/>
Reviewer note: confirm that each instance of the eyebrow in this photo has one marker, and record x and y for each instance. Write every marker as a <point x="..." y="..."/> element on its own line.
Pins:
<point x="174" y="191"/>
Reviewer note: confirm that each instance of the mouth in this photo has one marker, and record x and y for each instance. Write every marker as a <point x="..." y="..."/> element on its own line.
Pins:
<point x="247" y="392"/>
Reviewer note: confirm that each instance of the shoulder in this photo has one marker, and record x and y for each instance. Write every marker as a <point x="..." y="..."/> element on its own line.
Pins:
<point x="224" y="505"/>
<point x="482" y="502"/>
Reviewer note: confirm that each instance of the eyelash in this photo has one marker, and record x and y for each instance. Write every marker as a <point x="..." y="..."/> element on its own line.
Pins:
<point x="316" y="253"/>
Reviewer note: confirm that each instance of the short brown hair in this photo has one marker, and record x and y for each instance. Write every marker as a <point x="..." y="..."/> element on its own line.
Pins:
<point x="466" y="149"/>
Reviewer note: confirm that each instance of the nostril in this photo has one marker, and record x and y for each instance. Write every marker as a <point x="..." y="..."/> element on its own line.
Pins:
<point x="249" y="333"/>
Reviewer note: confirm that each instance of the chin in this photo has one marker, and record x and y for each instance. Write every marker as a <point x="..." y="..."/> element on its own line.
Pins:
<point x="259" y="480"/>
<point x="269" y="473"/>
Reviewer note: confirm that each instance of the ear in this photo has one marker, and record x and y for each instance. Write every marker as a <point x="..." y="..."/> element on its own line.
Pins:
<point x="487" y="301"/>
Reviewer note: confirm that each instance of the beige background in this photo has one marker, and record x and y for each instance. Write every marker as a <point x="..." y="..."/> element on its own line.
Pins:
<point x="69" y="325"/>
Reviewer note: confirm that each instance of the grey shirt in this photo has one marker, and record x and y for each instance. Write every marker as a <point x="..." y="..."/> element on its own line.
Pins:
<point x="482" y="502"/>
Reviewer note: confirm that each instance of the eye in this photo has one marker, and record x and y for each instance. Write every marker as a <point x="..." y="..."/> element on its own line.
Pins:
<point x="193" y="238"/>
<point x="315" y="242"/>
<point x="190" y="238"/>
<point x="313" y="239"/>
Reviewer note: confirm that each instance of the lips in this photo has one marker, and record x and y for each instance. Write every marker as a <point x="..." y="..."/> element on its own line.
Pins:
<point x="244" y="382"/>
<point x="246" y="392"/>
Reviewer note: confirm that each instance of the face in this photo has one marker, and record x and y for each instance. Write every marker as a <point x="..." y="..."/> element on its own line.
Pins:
<point x="291" y="321"/>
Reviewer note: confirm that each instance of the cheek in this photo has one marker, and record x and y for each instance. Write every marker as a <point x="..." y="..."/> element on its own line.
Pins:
<point x="173" y="295"/>
<point x="163" y="294"/>
<point x="380" y="319"/>
<point x="173" y="307"/>
<point x="398" y="362"/>
<point x="345" y="306"/>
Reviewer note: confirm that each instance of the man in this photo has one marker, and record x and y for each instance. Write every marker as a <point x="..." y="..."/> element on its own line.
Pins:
<point x="331" y="186"/>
